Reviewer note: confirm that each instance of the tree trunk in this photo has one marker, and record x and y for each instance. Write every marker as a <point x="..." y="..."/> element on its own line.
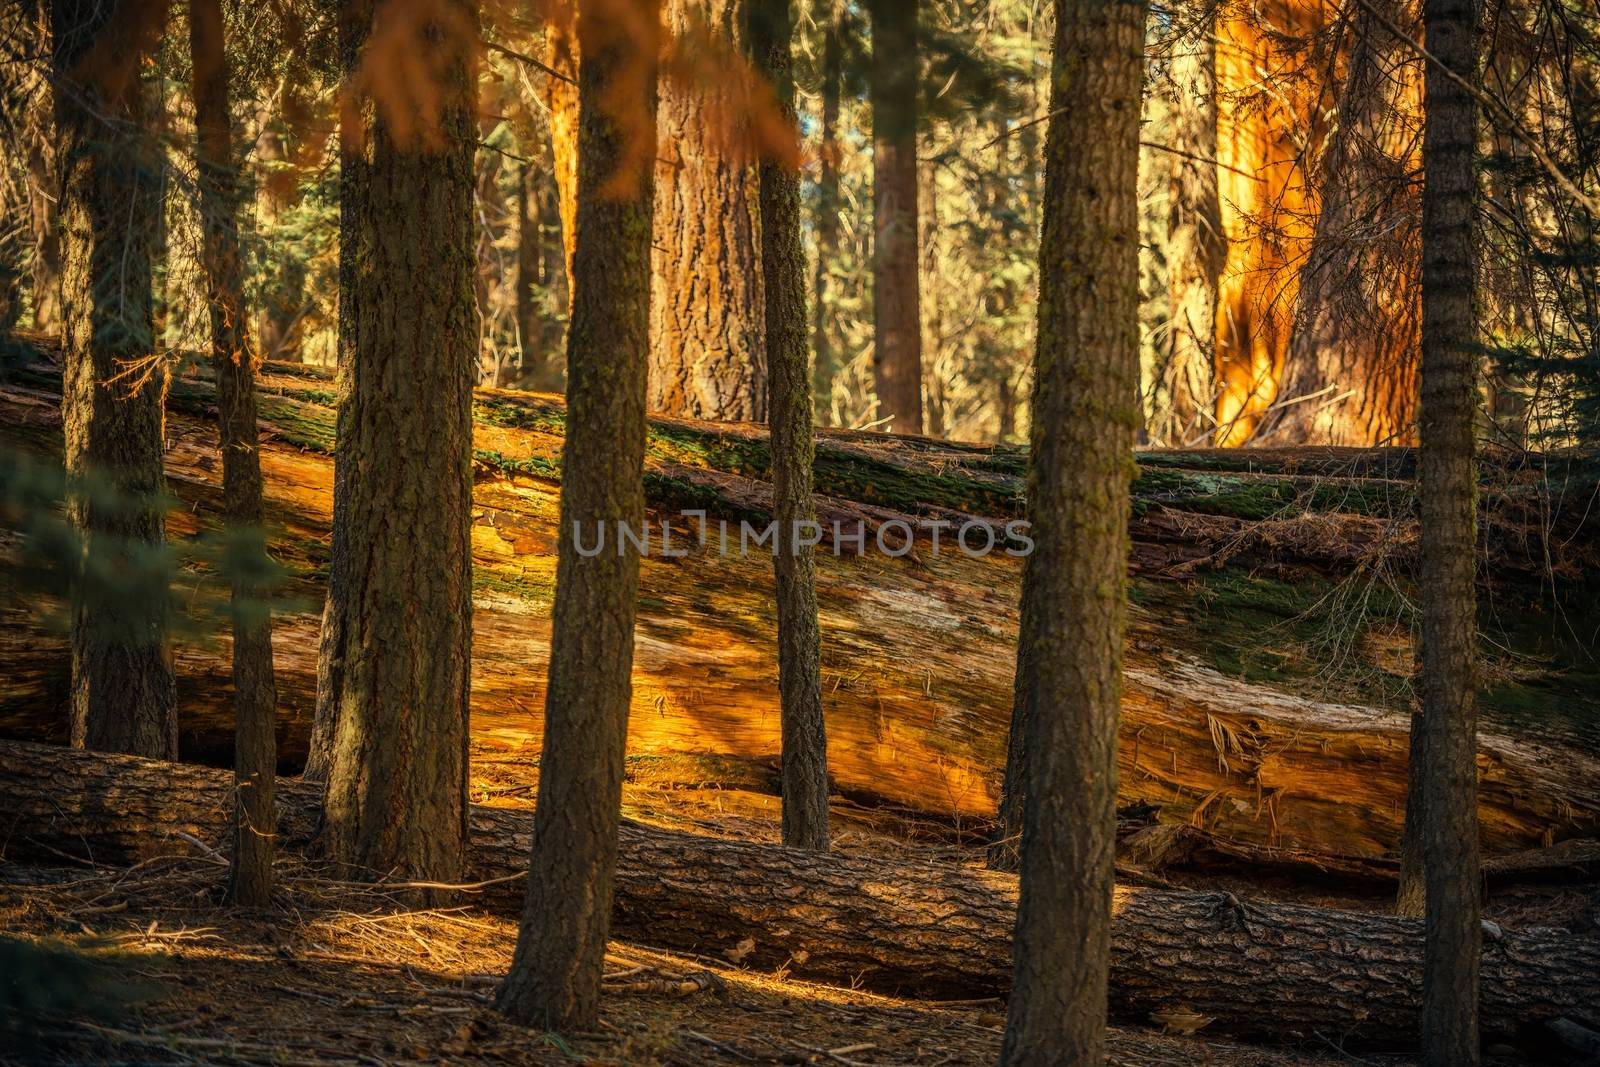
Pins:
<point x="402" y="599"/>
<point x="123" y="694"/>
<point x="707" y="356"/>
<point x="896" y="311"/>
<point x="1284" y="971"/>
<point x="1085" y="388"/>
<point x="1183" y="404"/>
<point x="829" y="16"/>
<point x="233" y="362"/>
<point x="278" y="324"/>
<point x="530" y="266"/>
<point x="555" y="972"/>
<point x="561" y="97"/>
<point x="804" y="752"/>
<point x="1351" y="374"/>
<point x="1447" y="476"/>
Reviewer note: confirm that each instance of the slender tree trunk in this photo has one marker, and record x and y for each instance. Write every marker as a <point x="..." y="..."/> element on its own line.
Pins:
<point x="254" y="694"/>
<point x="402" y="599"/>
<point x="826" y="362"/>
<point x="1084" y="417"/>
<point x="928" y="280"/>
<point x="123" y="694"/>
<point x="530" y="266"/>
<point x="896" y="312"/>
<point x="561" y="97"/>
<point x="707" y="356"/>
<point x="1450" y="351"/>
<point x="555" y="973"/>
<point x="1184" y="393"/>
<point x="278" y="323"/>
<point x="805" y="742"/>
<point x="1412" y="891"/>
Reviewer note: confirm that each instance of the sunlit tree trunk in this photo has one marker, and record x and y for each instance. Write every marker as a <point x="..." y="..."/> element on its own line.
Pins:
<point x="1351" y="374"/>
<point x="561" y="97"/>
<point x="707" y="357"/>
<point x="554" y="980"/>
<point x="401" y="589"/>
<point x="1448" y="683"/>
<point x="113" y="385"/>
<point x="1084" y="416"/>
<point x="254" y="693"/>
<point x="805" y="744"/>
<point x="896" y="317"/>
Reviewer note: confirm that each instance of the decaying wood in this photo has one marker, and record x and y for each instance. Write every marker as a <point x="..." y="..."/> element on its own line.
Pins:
<point x="1280" y="970"/>
<point x="918" y="650"/>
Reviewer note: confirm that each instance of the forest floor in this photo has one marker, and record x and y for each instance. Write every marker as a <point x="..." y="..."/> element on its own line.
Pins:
<point x="336" y="974"/>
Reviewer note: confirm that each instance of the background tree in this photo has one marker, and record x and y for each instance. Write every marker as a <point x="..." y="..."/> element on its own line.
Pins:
<point x="123" y="694"/>
<point x="1083" y="426"/>
<point x="805" y="742"/>
<point x="400" y="601"/>
<point x="234" y="364"/>
<point x="897" y="315"/>
<point x="707" y="356"/>
<point x="555" y="973"/>
<point x="1450" y="354"/>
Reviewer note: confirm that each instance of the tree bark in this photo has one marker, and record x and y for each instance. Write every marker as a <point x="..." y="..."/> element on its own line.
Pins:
<point x="561" y="97"/>
<point x="555" y="972"/>
<point x="707" y="354"/>
<point x="1351" y="374"/>
<point x="828" y="15"/>
<point x="402" y="599"/>
<point x="1283" y="971"/>
<point x="234" y="364"/>
<point x="1448" y="683"/>
<point x="896" y="311"/>
<point x="1085" y="387"/>
<point x="805" y="743"/>
<point x="1183" y="402"/>
<point x="123" y="694"/>
<point x="530" y="267"/>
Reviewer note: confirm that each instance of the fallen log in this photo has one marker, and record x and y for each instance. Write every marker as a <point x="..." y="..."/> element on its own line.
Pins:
<point x="1259" y="706"/>
<point x="1283" y="971"/>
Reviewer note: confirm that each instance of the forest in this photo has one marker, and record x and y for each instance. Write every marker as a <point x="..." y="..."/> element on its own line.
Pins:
<point x="866" y="532"/>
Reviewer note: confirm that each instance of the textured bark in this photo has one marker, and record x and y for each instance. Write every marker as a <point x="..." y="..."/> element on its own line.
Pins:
<point x="805" y="742"/>
<point x="555" y="972"/>
<point x="707" y="355"/>
<point x="123" y="695"/>
<point x="896" y="311"/>
<point x="402" y="600"/>
<point x="234" y="364"/>
<point x="1351" y="374"/>
<point x="1448" y="683"/>
<point x="561" y="97"/>
<point x="1183" y="395"/>
<point x="828" y="15"/>
<point x="1084" y="417"/>
<point x="1285" y="971"/>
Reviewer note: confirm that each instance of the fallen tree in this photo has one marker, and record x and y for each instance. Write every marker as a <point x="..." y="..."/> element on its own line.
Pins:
<point x="1278" y="970"/>
<point x="1267" y="652"/>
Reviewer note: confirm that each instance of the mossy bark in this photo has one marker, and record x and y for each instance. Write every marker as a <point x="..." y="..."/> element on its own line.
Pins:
<point x="400" y="599"/>
<point x="1084" y="418"/>
<point x="234" y="364"/>
<point x="123" y="697"/>
<point x="555" y="973"/>
<point x="805" y="744"/>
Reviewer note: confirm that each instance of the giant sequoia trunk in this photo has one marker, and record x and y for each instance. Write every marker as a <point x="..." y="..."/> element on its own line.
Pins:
<point x="122" y="694"/>
<point x="1351" y="374"/>
<point x="1266" y="655"/>
<point x="1284" y="971"/>
<point x="234" y="367"/>
<point x="896" y="301"/>
<point x="707" y="356"/>
<point x="399" y="638"/>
